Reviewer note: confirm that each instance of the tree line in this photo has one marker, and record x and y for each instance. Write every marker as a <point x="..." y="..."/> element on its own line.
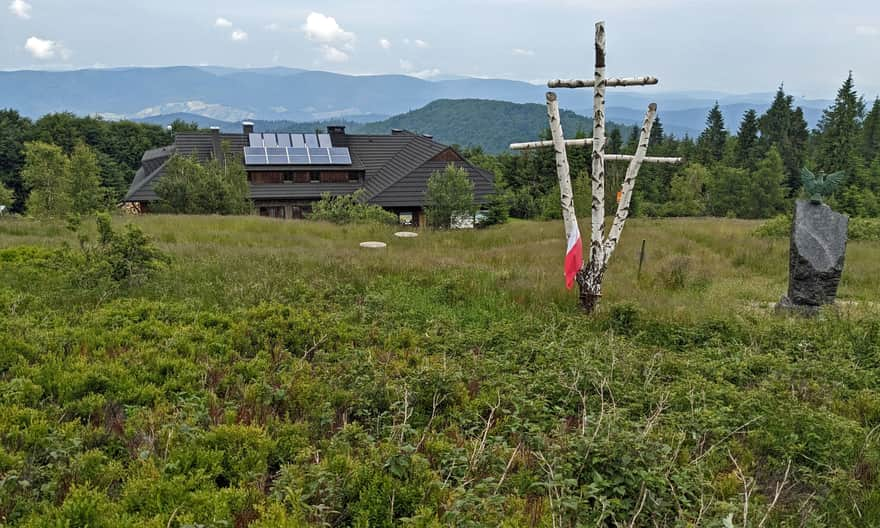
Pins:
<point x="753" y="173"/>
<point x="97" y="156"/>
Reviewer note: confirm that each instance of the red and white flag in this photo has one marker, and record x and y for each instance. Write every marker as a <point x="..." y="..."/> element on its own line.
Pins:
<point x="574" y="256"/>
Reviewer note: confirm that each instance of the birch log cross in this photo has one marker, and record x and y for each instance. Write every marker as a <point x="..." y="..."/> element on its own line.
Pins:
<point x="589" y="276"/>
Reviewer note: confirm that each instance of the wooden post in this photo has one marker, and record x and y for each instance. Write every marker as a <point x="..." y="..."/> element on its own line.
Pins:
<point x="641" y="259"/>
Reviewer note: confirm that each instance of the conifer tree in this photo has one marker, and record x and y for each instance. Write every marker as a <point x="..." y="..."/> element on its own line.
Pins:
<point x="746" y="152"/>
<point x="871" y="133"/>
<point x="714" y="138"/>
<point x="784" y="127"/>
<point x="657" y="135"/>
<point x="765" y="187"/>
<point x="840" y="138"/>
<point x="615" y="142"/>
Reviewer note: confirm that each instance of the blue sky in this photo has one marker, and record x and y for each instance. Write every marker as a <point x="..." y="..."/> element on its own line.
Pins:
<point x="737" y="46"/>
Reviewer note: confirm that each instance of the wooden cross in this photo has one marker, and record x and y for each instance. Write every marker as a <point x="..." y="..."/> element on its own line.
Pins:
<point x="590" y="276"/>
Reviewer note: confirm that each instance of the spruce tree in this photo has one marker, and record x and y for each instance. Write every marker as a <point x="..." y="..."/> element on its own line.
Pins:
<point x="615" y="141"/>
<point x="871" y="133"/>
<point x="784" y="127"/>
<point x="746" y="153"/>
<point x="840" y="131"/>
<point x="657" y="135"/>
<point x="714" y="138"/>
<point x="767" y="197"/>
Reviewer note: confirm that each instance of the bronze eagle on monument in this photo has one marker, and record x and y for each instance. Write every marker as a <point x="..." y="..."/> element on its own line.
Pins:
<point x="818" y="186"/>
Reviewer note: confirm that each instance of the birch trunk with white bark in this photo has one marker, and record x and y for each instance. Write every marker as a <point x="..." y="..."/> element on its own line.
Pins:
<point x="629" y="183"/>
<point x="569" y="217"/>
<point x="590" y="279"/>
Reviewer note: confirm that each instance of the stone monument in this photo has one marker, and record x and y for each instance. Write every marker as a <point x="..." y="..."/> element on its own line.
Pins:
<point x="818" y="248"/>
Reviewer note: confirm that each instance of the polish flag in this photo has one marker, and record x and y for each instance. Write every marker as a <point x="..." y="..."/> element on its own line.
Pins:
<point x="574" y="256"/>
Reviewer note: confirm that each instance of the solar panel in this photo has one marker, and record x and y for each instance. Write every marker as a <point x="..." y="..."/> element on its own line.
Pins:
<point x="340" y="156"/>
<point x="284" y="140"/>
<point x="255" y="140"/>
<point x="255" y="156"/>
<point x="312" y="141"/>
<point x="324" y="141"/>
<point x="269" y="140"/>
<point x="319" y="156"/>
<point x="277" y="156"/>
<point x="299" y="156"/>
<point x="296" y="140"/>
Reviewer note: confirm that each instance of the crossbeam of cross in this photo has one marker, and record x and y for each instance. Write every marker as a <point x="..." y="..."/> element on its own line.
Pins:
<point x="589" y="276"/>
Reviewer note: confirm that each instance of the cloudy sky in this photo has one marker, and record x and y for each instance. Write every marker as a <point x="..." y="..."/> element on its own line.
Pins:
<point x="735" y="46"/>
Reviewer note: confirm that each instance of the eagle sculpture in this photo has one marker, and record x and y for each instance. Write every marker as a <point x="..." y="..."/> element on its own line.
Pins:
<point x="820" y="185"/>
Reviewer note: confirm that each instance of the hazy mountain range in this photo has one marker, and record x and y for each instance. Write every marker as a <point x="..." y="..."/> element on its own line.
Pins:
<point x="283" y="94"/>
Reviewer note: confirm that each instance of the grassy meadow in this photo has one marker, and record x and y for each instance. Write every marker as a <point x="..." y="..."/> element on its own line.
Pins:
<point x="276" y="374"/>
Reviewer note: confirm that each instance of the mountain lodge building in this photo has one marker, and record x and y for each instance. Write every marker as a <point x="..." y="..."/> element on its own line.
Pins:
<point x="288" y="172"/>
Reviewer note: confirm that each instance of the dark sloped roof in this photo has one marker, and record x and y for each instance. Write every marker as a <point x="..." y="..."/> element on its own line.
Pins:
<point x="396" y="168"/>
<point x="152" y="166"/>
<point x="410" y="190"/>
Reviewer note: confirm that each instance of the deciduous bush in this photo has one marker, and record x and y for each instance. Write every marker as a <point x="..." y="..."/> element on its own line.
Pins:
<point x="450" y="194"/>
<point x="191" y="187"/>
<point x="350" y="209"/>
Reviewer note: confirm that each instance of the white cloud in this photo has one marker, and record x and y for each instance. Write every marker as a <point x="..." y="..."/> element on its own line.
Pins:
<point x="222" y="23"/>
<point x="325" y="29"/>
<point x="420" y="43"/>
<point x="333" y="54"/>
<point x="273" y="27"/>
<point x="426" y="74"/>
<point x="410" y="69"/>
<point x="869" y="31"/>
<point x="385" y="43"/>
<point x="45" y="49"/>
<point x="523" y="52"/>
<point x="20" y="8"/>
<point x="239" y="35"/>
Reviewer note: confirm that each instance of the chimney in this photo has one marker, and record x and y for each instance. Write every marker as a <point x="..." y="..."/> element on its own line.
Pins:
<point x="216" y="147"/>
<point x="336" y="132"/>
<point x="247" y="127"/>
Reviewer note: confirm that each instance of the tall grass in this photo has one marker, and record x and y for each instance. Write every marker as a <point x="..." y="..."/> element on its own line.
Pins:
<point x="277" y="374"/>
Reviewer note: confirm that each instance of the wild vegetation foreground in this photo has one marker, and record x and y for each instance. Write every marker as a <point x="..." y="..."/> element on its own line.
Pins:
<point x="275" y="374"/>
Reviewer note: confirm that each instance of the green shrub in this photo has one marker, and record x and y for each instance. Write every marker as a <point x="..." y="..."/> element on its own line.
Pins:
<point x="127" y="257"/>
<point x="866" y="229"/>
<point x="450" y="194"/>
<point x="497" y="210"/>
<point x="191" y="187"/>
<point x="350" y="209"/>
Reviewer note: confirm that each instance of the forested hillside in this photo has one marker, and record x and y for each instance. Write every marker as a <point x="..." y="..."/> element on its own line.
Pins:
<point x="492" y="125"/>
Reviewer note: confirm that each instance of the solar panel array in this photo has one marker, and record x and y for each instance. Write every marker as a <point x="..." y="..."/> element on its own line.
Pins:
<point x="294" y="149"/>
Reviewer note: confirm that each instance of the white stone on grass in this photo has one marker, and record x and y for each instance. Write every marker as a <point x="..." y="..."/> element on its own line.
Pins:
<point x="373" y="245"/>
<point x="406" y="234"/>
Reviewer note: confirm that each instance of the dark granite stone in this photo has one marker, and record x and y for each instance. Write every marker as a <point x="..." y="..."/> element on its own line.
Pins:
<point x="818" y="250"/>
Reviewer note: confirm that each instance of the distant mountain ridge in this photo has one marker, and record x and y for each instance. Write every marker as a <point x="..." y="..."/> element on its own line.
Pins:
<point x="492" y="125"/>
<point x="233" y="94"/>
